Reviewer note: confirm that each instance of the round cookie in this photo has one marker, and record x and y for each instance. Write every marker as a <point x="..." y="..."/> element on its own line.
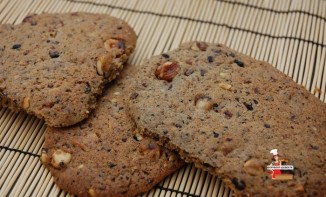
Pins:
<point x="225" y="112"/>
<point x="101" y="156"/>
<point x="54" y="66"/>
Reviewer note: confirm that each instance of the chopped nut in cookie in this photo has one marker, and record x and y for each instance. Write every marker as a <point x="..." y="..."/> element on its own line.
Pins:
<point x="60" y="159"/>
<point x="199" y="46"/>
<point x="91" y="192"/>
<point x="138" y="137"/>
<point x="189" y="72"/>
<point x="225" y="86"/>
<point x="102" y="65"/>
<point x="167" y="71"/>
<point x="26" y="102"/>
<point x="133" y="96"/>
<point x="44" y="156"/>
<point x="113" y="43"/>
<point x="228" y="114"/>
<point x="151" y="150"/>
<point x="253" y="167"/>
<point x="203" y="102"/>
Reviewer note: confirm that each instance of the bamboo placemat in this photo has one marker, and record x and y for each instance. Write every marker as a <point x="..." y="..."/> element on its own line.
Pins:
<point x="290" y="34"/>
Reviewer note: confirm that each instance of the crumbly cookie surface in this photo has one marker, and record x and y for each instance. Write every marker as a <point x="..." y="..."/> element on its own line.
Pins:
<point x="102" y="156"/>
<point x="55" y="65"/>
<point x="226" y="111"/>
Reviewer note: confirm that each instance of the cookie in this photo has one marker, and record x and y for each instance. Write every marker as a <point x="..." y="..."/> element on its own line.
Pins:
<point x="54" y="66"/>
<point x="101" y="156"/>
<point x="225" y="112"/>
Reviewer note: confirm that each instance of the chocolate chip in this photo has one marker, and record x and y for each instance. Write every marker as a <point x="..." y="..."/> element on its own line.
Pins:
<point x="215" y="107"/>
<point x="62" y="164"/>
<point x="16" y="46"/>
<point x="150" y="146"/>
<point x="189" y="72"/>
<point x="165" y="132"/>
<point x="119" y="27"/>
<point x="247" y="81"/>
<point x="215" y="134"/>
<point x="207" y="165"/>
<point x="124" y="139"/>
<point x="239" y="63"/>
<point x="255" y="101"/>
<point x="134" y="95"/>
<point x="228" y="114"/>
<point x="313" y="147"/>
<point x="111" y="165"/>
<point x="232" y="54"/>
<point x="248" y="106"/>
<point x="238" y="184"/>
<point x="177" y="125"/>
<point x="54" y="54"/>
<point x="88" y="88"/>
<point x="203" y="72"/>
<point x="166" y="56"/>
<point x="150" y="181"/>
<point x="228" y="139"/>
<point x="267" y="125"/>
<point x="257" y="91"/>
<point x="121" y="45"/>
<point x="210" y="59"/>
<point x="82" y="126"/>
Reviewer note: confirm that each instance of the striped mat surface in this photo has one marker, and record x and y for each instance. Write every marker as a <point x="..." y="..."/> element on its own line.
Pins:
<point x="290" y="34"/>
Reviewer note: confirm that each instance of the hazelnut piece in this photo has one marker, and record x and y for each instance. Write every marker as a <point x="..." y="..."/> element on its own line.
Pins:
<point x="91" y="192"/>
<point x="253" y="167"/>
<point x="60" y="159"/>
<point x="103" y="64"/>
<point x="167" y="71"/>
<point x="203" y="102"/>
<point x="26" y="102"/>
<point x="199" y="46"/>
<point x="225" y="86"/>
<point x="113" y="43"/>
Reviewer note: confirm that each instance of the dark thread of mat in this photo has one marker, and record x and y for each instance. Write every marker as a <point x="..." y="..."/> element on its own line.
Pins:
<point x="176" y="191"/>
<point x="19" y="151"/>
